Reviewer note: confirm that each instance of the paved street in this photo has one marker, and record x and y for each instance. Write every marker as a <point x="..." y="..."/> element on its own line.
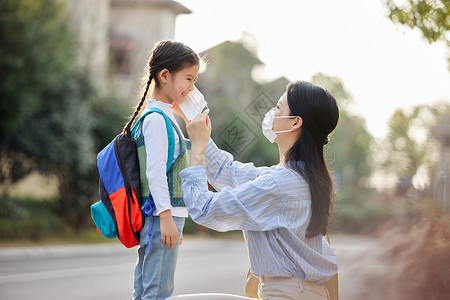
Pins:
<point x="106" y="271"/>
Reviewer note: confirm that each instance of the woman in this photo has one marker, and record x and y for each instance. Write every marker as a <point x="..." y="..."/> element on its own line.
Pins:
<point x="283" y="210"/>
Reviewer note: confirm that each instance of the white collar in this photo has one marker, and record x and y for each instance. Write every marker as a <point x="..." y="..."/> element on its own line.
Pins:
<point x="165" y="107"/>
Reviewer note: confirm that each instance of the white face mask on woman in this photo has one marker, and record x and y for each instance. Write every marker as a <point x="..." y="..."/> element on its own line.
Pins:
<point x="267" y="125"/>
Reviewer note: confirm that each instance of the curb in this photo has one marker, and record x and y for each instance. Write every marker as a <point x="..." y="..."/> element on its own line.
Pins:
<point x="19" y="253"/>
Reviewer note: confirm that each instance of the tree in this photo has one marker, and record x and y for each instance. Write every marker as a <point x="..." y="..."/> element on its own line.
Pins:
<point x="52" y="119"/>
<point x="35" y="53"/>
<point x="349" y="150"/>
<point x="408" y="152"/>
<point x="431" y="17"/>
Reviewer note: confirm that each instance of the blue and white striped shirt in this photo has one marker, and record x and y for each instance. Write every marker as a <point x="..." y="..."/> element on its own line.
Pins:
<point x="271" y="205"/>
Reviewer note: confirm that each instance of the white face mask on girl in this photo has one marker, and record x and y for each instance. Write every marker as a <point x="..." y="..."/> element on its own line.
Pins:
<point x="267" y="125"/>
<point x="194" y="104"/>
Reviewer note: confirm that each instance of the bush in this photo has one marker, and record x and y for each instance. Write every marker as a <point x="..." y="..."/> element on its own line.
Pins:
<point x="27" y="219"/>
<point x="363" y="218"/>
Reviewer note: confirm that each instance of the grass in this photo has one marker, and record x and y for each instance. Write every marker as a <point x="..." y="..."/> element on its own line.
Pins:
<point x="85" y="237"/>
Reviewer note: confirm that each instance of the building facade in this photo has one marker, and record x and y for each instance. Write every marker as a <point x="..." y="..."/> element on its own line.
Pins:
<point x="116" y="37"/>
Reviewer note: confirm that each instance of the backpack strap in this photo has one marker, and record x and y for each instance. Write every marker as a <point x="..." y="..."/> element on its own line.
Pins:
<point x="149" y="206"/>
<point x="169" y="129"/>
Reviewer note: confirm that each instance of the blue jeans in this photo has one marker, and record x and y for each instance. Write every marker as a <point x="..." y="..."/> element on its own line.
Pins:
<point x="154" y="272"/>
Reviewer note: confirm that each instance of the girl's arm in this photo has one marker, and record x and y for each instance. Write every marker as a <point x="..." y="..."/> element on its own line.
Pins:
<point x="222" y="171"/>
<point x="156" y="145"/>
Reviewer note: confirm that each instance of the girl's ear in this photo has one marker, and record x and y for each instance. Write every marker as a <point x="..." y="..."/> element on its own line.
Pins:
<point x="163" y="76"/>
<point x="298" y="123"/>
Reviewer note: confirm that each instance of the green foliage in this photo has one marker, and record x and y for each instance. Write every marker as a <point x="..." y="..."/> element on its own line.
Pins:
<point x="26" y="219"/>
<point x="53" y="121"/>
<point x="364" y="218"/>
<point x="110" y="115"/>
<point x="78" y="183"/>
<point x="34" y="53"/>
<point x="431" y="17"/>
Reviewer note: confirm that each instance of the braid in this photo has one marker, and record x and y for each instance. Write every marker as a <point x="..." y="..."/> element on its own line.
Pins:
<point x="127" y="128"/>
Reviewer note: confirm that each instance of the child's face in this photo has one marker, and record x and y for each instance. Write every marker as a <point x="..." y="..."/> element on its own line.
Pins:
<point x="182" y="83"/>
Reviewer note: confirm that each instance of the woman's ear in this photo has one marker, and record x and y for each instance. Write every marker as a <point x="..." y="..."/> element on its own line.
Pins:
<point x="163" y="76"/>
<point x="298" y="123"/>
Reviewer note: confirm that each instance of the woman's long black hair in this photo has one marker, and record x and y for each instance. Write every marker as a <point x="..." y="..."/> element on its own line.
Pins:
<point x="170" y="55"/>
<point x="320" y="115"/>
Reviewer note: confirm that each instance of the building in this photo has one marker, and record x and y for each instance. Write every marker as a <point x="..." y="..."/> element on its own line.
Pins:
<point x="134" y="27"/>
<point x="90" y="20"/>
<point x="116" y="37"/>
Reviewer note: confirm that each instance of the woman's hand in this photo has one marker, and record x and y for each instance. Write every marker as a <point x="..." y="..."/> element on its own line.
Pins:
<point x="199" y="130"/>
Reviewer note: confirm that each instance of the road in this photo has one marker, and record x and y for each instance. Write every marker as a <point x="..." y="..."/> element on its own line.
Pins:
<point x="205" y="265"/>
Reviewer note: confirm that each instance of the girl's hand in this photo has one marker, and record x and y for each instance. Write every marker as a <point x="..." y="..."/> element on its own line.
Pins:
<point x="177" y="110"/>
<point x="199" y="131"/>
<point x="169" y="231"/>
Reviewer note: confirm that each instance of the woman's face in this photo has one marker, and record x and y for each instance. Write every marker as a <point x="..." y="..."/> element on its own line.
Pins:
<point x="181" y="84"/>
<point x="282" y="109"/>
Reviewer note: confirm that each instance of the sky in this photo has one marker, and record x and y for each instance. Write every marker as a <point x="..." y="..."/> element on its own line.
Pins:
<point x="384" y="66"/>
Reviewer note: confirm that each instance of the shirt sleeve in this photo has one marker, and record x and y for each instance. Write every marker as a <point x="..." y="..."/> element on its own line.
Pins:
<point x="156" y="147"/>
<point x="222" y="171"/>
<point x="254" y="205"/>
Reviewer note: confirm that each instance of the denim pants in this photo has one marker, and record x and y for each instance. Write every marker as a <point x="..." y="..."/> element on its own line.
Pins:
<point x="154" y="271"/>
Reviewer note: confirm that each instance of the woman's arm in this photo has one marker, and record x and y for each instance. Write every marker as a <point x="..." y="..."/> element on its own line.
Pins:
<point x="222" y="171"/>
<point x="255" y="205"/>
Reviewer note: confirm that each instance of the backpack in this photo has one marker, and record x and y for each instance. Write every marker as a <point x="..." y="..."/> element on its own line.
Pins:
<point x="119" y="213"/>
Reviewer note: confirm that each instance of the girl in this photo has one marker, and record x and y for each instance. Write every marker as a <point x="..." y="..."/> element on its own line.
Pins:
<point x="283" y="210"/>
<point x="173" y="69"/>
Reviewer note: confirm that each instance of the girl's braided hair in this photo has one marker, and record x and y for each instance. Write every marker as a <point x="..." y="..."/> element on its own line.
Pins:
<point x="169" y="55"/>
